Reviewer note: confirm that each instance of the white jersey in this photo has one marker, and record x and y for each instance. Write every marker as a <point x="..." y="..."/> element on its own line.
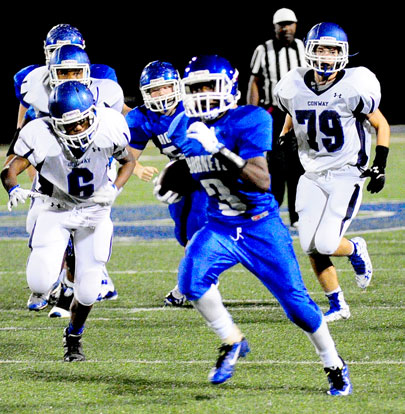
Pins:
<point x="71" y="181"/>
<point x="331" y="125"/>
<point x="36" y="89"/>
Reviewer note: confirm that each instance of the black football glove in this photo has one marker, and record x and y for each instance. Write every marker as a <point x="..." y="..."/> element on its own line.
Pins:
<point x="288" y="142"/>
<point x="377" y="170"/>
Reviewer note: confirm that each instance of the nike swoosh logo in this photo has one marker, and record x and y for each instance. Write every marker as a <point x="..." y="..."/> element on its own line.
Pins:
<point x="236" y="356"/>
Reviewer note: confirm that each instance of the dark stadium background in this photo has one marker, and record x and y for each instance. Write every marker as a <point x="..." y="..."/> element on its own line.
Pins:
<point x="129" y="37"/>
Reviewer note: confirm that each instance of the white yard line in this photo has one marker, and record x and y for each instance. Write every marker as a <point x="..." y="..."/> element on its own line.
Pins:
<point x="201" y="362"/>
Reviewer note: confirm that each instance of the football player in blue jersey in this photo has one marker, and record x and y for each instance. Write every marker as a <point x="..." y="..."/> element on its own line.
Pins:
<point x="160" y="88"/>
<point x="225" y="147"/>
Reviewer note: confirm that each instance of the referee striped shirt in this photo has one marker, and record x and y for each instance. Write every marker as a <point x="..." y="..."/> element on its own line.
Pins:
<point x="271" y="61"/>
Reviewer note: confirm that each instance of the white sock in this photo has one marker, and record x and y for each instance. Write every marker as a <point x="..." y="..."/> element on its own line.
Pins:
<point x="217" y="317"/>
<point x="325" y="346"/>
<point x="176" y="292"/>
<point x="334" y="291"/>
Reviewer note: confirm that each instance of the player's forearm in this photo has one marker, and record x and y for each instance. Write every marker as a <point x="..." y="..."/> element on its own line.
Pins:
<point x="288" y="125"/>
<point x="124" y="174"/>
<point x="8" y="179"/>
<point x="382" y="127"/>
<point x="12" y="170"/>
<point x="255" y="171"/>
<point x="253" y="91"/>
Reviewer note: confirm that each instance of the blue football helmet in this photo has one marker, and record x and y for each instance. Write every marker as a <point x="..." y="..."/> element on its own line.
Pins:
<point x="69" y="57"/>
<point x="62" y="34"/>
<point x="70" y="103"/>
<point x="216" y="72"/>
<point x="155" y="75"/>
<point x="329" y="35"/>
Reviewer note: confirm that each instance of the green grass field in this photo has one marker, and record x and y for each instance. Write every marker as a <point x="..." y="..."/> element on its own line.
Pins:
<point x="144" y="358"/>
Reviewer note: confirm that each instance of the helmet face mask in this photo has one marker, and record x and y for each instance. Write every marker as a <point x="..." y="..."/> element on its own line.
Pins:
<point x="69" y="62"/>
<point x="326" y="49"/>
<point x="65" y="128"/>
<point x="160" y="86"/>
<point x="73" y="116"/>
<point x="209" y="87"/>
<point x="59" y="35"/>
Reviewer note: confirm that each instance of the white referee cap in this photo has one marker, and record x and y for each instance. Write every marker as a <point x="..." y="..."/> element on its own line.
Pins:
<point x="284" y="15"/>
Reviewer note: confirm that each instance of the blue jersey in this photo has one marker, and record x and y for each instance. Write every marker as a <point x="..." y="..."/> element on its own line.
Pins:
<point x="246" y="131"/>
<point x="146" y="125"/>
<point x="189" y="215"/>
<point x="244" y="225"/>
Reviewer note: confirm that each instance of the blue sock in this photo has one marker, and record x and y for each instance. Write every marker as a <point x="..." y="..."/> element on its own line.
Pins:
<point x="72" y="331"/>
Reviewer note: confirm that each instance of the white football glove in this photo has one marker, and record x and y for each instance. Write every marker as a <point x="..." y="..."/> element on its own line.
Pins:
<point x="106" y="195"/>
<point x="204" y="135"/>
<point x="170" y="197"/>
<point x="17" y="196"/>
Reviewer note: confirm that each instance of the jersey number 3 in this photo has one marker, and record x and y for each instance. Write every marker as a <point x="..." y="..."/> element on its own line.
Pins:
<point x="329" y="125"/>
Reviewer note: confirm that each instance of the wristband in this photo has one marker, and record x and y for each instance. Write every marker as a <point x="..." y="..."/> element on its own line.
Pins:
<point x="12" y="188"/>
<point x="381" y="154"/>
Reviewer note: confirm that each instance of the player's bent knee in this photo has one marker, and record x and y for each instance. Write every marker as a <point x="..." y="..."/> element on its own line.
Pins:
<point x="42" y="271"/>
<point x="306" y="316"/>
<point x="325" y="248"/>
<point x="88" y="286"/>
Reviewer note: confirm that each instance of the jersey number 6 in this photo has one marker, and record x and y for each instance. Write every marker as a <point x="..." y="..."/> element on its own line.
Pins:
<point x="79" y="182"/>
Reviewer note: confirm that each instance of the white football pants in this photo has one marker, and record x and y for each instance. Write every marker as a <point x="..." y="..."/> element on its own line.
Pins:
<point x="92" y="228"/>
<point x="326" y="204"/>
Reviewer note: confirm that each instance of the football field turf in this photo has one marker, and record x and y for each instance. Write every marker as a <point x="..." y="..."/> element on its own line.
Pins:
<point x="145" y="358"/>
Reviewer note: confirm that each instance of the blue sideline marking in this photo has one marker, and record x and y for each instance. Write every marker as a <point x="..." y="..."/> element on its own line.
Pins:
<point x="139" y="221"/>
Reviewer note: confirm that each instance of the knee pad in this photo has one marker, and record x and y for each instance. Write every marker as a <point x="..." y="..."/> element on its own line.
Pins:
<point x="325" y="245"/>
<point x="88" y="285"/>
<point x="43" y="270"/>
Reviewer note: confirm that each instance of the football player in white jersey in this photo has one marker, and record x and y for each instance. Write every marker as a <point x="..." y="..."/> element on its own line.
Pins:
<point x="71" y="149"/>
<point x="331" y="110"/>
<point x="67" y="62"/>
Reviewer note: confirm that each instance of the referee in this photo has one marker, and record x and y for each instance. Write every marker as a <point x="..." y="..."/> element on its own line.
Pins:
<point x="270" y="61"/>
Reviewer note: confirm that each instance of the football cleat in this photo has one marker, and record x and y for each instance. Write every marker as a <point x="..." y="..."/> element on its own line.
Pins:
<point x="339" y="380"/>
<point x="72" y="345"/>
<point x="37" y="301"/>
<point x="54" y="294"/>
<point x="175" y="298"/>
<point x="57" y="312"/>
<point x="361" y="262"/>
<point x="110" y="295"/>
<point x="62" y="306"/>
<point x="339" y="309"/>
<point x="108" y="291"/>
<point x="228" y="356"/>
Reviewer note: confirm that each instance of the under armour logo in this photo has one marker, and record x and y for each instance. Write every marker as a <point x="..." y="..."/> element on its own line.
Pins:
<point x="238" y="234"/>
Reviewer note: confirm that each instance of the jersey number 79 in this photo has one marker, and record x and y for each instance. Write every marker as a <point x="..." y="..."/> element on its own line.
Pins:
<point x="328" y="124"/>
